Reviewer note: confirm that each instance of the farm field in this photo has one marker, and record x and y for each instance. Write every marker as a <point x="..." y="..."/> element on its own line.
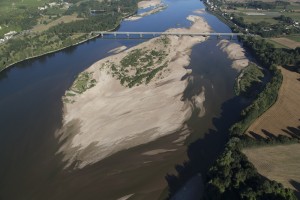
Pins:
<point x="280" y="163"/>
<point x="63" y="19"/>
<point x="251" y="18"/>
<point x="276" y="44"/>
<point x="287" y="42"/>
<point x="284" y="116"/>
<point x="294" y="37"/>
<point x="252" y="15"/>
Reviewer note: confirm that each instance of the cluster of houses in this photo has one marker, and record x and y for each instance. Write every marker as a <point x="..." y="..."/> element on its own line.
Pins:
<point x="8" y="36"/>
<point x="211" y="5"/>
<point x="54" y="4"/>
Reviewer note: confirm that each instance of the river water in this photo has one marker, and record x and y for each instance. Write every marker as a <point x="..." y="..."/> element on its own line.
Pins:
<point x="31" y="113"/>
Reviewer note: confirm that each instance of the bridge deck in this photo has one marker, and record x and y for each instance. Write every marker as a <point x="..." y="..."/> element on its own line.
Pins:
<point x="166" y="33"/>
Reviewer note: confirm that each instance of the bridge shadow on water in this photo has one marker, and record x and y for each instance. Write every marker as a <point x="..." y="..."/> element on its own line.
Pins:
<point x="204" y="151"/>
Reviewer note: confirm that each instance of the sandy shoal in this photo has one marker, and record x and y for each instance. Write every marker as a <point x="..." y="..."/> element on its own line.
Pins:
<point x="236" y="53"/>
<point x="109" y="117"/>
<point x="157" y="7"/>
<point x="148" y="3"/>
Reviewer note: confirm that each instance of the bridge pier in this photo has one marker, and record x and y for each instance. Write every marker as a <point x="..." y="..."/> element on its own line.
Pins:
<point x="141" y="35"/>
<point x="115" y="34"/>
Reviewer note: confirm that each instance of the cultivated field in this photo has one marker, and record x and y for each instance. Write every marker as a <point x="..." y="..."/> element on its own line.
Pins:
<point x="280" y="163"/>
<point x="287" y="42"/>
<point x="284" y="116"/>
<point x="63" y="19"/>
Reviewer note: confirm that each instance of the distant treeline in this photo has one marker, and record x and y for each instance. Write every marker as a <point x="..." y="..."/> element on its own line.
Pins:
<point x="258" y="4"/>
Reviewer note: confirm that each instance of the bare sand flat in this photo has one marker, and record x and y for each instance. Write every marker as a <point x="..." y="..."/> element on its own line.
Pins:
<point x="157" y="7"/>
<point x="236" y="53"/>
<point x="280" y="163"/>
<point x="157" y="151"/>
<point x="148" y="3"/>
<point x="284" y="116"/>
<point x="110" y="117"/>
<point x="200" y="11"/>
<point x="287" y="42"/>
<point x="118" y="49"/>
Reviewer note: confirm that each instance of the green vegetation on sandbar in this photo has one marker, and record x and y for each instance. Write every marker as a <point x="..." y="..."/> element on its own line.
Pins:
<point x="248" y="77"/>
<point x="83" y="82"/>
<point x="138" y="66"/>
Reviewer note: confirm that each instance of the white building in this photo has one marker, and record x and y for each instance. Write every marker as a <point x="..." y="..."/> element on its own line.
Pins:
<point x="9" y="35"/>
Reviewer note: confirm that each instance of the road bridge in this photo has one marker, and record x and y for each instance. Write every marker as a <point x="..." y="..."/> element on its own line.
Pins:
<point x="155" y="34"/>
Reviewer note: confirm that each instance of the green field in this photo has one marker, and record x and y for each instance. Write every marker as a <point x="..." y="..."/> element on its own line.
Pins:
<point x="261" y="18"/>
<point x="7" y="6"/>
<point x="296" y="38"/>
<point x="276" y="45"/>
<point x="292" y="10"/>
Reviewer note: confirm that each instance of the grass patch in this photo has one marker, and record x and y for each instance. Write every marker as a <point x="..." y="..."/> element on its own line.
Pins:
<point x="276" y="44"/>
<point x="261" y="18"/>
<point x="295" y="38"/>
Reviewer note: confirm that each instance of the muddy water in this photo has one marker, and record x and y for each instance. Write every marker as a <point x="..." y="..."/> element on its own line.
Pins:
<point x="31" y="112"/>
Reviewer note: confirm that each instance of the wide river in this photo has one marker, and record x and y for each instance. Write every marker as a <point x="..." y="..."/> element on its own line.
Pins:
<point x="31" y="113"/>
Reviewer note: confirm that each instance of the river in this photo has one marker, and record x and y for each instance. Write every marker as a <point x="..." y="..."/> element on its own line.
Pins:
<point x="31" y="113"/>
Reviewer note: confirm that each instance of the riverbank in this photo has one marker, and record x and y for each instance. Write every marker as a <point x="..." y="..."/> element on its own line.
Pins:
<point x="128" y="116"/>
<point x="72" y="45"/>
